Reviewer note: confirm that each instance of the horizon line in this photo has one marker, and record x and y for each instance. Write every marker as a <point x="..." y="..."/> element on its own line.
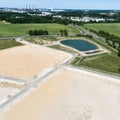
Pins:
<point x="64" y="8"/>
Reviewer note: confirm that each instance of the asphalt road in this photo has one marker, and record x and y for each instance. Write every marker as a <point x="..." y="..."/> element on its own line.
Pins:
<point x="87" y="32"/>
<point x="7" y="38"/>
<point x="33" y="84"/>
<point x="40" y="79"/>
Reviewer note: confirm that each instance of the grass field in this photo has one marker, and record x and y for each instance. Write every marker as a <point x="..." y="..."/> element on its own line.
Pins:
<point x="108" y="62"/>
<point x="43" y="39"/>
<point x="112" y="28"/>
<point x="4" y="22"/>
<point x="22" y="29"/>
<point x="59" y="47"/>
<point x="8" y="44"/>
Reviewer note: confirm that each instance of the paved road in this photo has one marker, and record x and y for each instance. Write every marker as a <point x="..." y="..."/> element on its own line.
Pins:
<point x="40" y="79"/>
<point x="14" y="37"/>
<point x="34" y="83"/>
<point x="87" y="32"/>
<point x="13" y="79"/>
<point x="77" y="27"/>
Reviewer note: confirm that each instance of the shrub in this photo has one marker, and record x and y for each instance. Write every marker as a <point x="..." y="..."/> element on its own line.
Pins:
<point x="38" y="32"/>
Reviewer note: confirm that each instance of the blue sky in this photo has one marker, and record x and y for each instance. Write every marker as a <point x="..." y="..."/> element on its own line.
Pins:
<point x="74" y="4"/>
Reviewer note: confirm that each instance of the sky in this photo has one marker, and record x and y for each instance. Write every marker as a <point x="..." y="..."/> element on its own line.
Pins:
<point x="63" y="4"/>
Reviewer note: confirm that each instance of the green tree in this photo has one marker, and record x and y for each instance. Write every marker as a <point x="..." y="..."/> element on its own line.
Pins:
<point x="113" y="43"/>
<point x="119" y="43"/>
<point x="119" y="70"/>
<point x="61" y="32"/>
<point x="119" y="52"/>
<point x="46" y="32"/>
<point x="30" y="32"/>
<point x="36" y="32"/>
<point x="65" y="32"/>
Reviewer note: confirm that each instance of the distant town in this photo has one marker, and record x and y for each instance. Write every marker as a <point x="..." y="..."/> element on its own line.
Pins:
<point x="59" y="64"/>
<point x="70" y="14"/>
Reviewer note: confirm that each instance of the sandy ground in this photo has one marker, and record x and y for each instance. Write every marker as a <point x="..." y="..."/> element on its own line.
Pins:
<point x="6" y="93"/>
<point x="71" y="95"/>
<point x="13" y="85"/>
<point x="29" y="60"/>
<point x="9" y="89"/>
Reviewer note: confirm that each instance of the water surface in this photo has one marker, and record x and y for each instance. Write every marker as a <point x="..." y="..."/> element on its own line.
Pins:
<point x="80" y="45"/>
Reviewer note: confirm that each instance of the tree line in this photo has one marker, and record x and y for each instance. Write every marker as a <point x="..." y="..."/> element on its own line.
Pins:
<point x="26" y="18"/>
<point x="45" y="32"/>
<point x="38" y="32"/>
<point x="13" y="17"/>
<point x="110" y="39"/>
<point x="64" y="32"/>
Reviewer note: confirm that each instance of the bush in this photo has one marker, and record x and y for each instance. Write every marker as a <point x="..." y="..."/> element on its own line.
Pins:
<point x="89" y="36"/>
<point x="38" y="32"/>
<point x="119" y="70"/>
<point x="64" y="32"/>
<point x="119" y="52"/>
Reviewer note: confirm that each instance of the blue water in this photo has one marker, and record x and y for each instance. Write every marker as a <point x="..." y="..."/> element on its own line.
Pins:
<point x="80" y="45"/>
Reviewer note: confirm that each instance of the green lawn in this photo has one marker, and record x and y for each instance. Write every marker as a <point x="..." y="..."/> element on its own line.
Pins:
<point x="59" y="47"/>
<point x="22" y="29"/>
<point x="103" y="62"/>
<point x="8" y="44"/>
<point x="107" y="62"/>
<point x="112" y="28"/>
<point x="41" y="39"/>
